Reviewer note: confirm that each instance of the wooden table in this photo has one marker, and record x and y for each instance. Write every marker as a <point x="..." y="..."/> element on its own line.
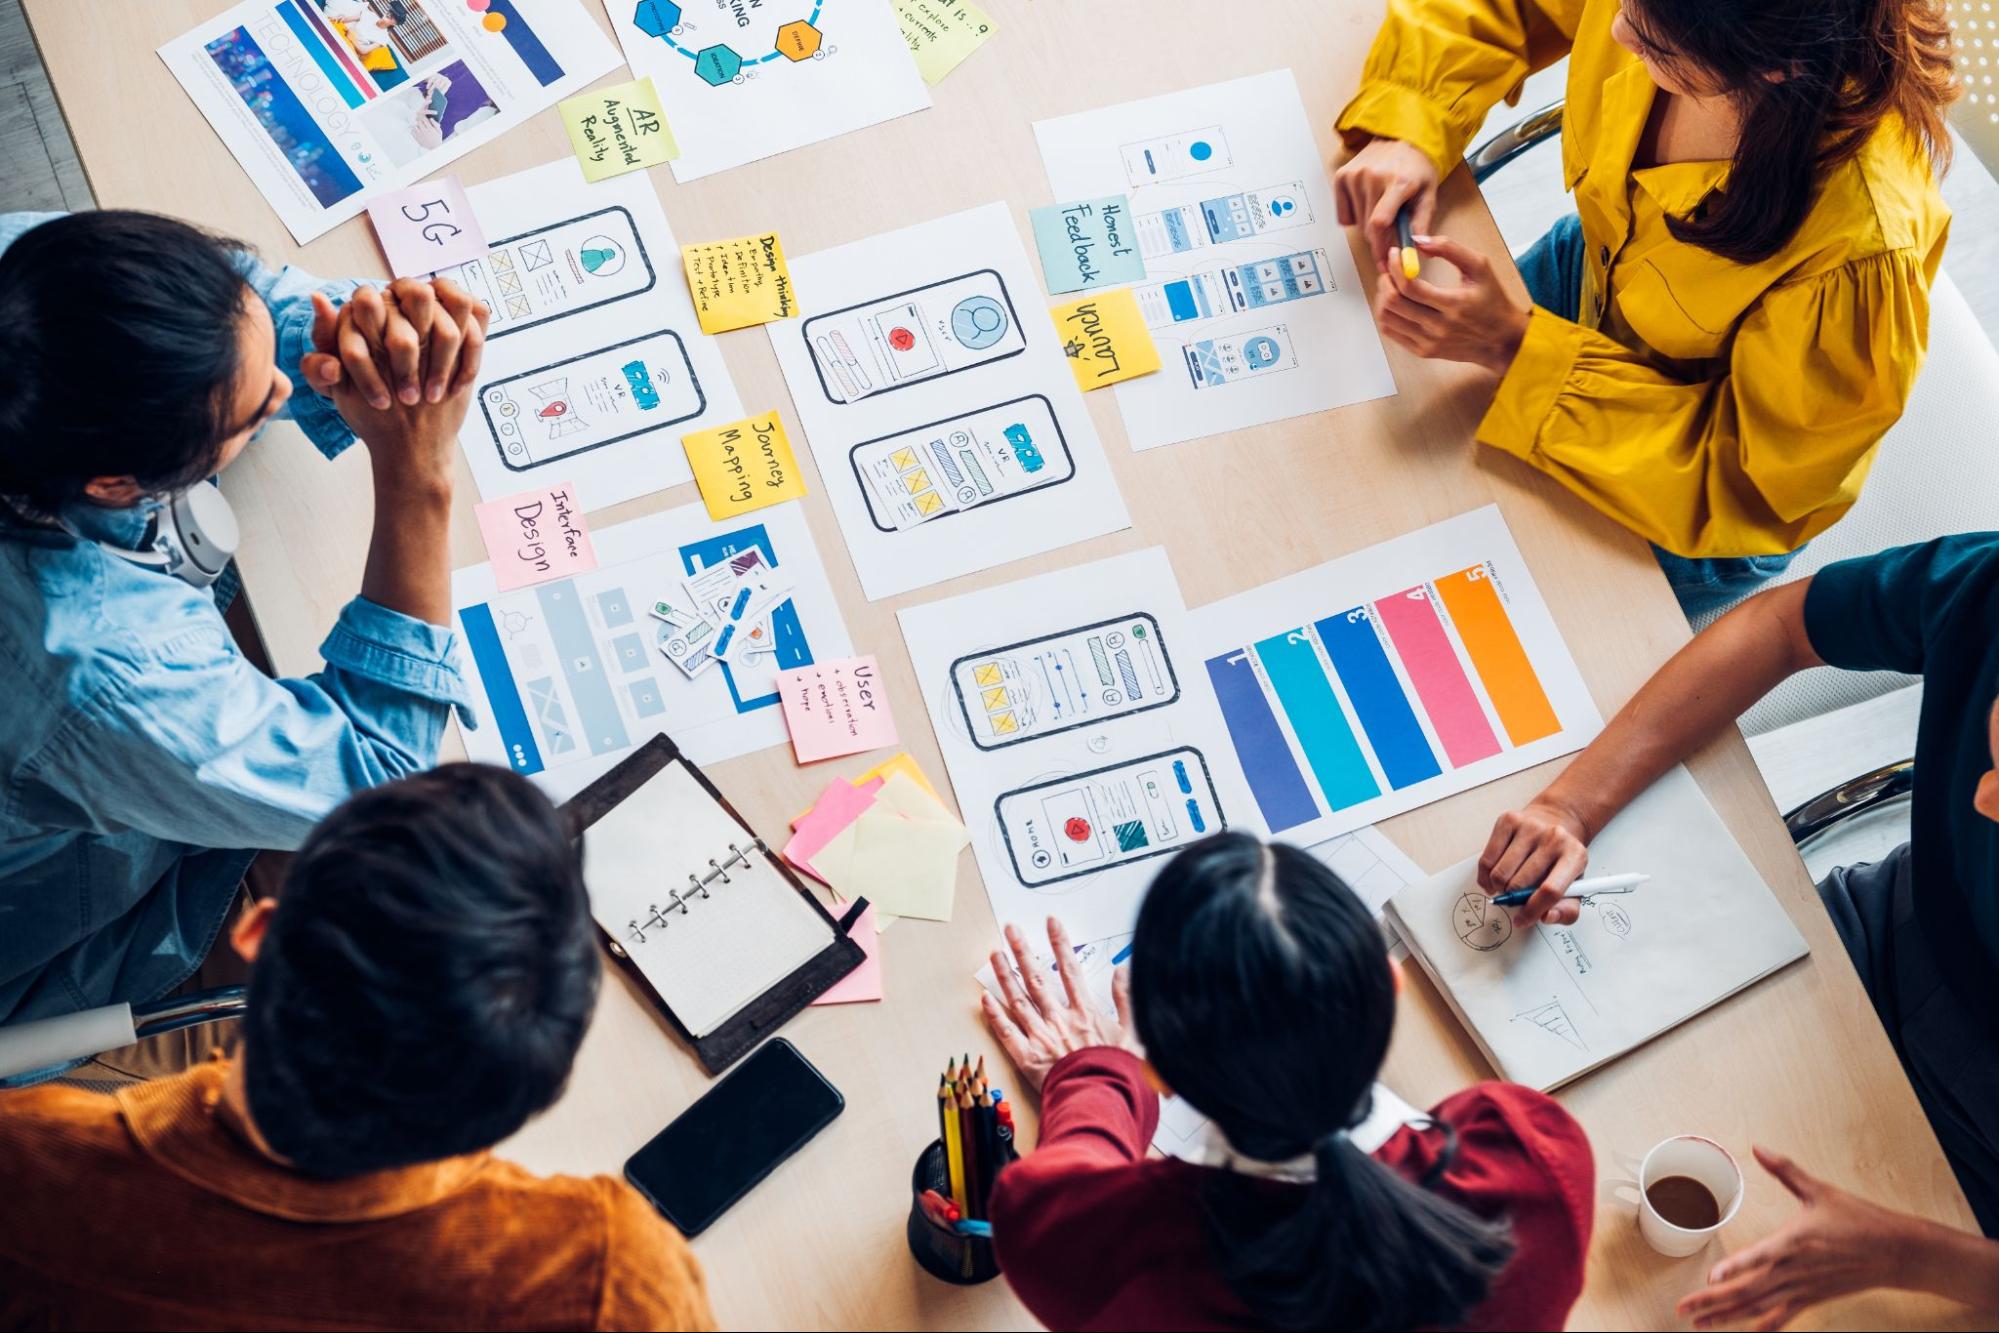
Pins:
<point x="1798" y="1062"/>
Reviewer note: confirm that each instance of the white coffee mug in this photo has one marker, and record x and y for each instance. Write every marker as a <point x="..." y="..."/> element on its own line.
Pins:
<point x="1699" y="1159"/>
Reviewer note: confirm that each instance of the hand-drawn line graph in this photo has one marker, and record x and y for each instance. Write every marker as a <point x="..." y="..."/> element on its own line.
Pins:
<point x="1554" y="1020"/>
<point x="1481" y="924"/>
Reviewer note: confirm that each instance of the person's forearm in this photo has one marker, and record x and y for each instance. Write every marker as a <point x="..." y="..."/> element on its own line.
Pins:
<point x="1702" y="689"/>
<point x="409" y="555"/>
<point x="1950" y="1263"/>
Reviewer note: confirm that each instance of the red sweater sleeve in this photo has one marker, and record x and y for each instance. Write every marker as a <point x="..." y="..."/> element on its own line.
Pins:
<point x="1097" y="1120"/>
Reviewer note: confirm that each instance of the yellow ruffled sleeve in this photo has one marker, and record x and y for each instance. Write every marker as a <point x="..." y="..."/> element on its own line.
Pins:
<point x="1757" y="460"/>
<point x="1437" y="66"/>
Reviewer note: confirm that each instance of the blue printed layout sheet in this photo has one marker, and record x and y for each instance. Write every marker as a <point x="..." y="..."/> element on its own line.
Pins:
<point x="1081" y="740"/>
<point x="1249" y="288"/>
<point x="326" y="103"/>
<point x="569" y="675"/>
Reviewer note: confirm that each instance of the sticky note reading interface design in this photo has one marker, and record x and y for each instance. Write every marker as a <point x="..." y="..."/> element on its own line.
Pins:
<point x="535" y="536"/>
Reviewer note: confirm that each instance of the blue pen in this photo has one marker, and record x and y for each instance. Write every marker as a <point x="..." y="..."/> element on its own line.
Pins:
<point x="1582" y="888"/>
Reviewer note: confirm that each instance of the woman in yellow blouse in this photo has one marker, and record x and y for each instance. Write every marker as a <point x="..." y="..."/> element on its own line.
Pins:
<point x="1720" y="337"/>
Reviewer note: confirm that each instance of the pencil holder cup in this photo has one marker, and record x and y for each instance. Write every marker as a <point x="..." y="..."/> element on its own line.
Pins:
<point x="942" y="1251"/>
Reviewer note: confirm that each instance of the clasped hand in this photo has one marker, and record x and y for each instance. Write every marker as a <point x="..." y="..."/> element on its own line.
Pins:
<point x="414" y="341"/>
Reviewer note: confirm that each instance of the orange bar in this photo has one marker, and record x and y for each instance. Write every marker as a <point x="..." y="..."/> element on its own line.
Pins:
<point x="1497" y="655"/>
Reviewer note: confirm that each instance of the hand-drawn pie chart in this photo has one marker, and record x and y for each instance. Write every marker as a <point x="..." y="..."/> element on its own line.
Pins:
<point x="1481" y="923"/>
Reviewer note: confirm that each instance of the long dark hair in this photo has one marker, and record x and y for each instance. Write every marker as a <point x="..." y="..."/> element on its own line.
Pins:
<point x="1262" y="992"/>
<point x="1812" y="80"/>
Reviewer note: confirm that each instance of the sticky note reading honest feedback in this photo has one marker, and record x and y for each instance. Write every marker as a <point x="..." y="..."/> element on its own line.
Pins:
<point x="744" y="465"/>
<point x="618" y="129"/>
<point x="1105" y="339"/>
<point x="739" y="283"/>
<point x="427" y="227"/>
<point x="535" y="536"/>
<point x="941" y="34"/>
<point x="1088" y="243"/>
<point x="836" y="708"/>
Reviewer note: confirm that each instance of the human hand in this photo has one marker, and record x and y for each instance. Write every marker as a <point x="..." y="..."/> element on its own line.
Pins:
<point x="1837" y="1244"/>
<point x="1475" y="320"/>
<point x="381" y="339"/>
<point x="1372" y="186"/>
<point x="1546" y="844"/>
<point x="1036" y="1026"/>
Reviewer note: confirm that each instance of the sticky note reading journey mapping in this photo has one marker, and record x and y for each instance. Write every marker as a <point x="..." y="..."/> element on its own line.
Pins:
<point x="1105" y="339"/>
<point x="941" y="33"/>
<point x="1088" y="243"/>
<point x="535" y="536"/>
<point x="739" y="283"/>
<point x="618" y="129"/>
<point x="836" y="708"/>
<point x="427" y="227"/>
<point x="744" y="465"/>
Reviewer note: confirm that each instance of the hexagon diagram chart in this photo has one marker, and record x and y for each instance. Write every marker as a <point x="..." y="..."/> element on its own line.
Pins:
<point x="753" y="36"/>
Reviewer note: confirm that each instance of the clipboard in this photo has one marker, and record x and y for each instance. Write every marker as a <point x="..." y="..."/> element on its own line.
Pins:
<point x="778" y="1003"/>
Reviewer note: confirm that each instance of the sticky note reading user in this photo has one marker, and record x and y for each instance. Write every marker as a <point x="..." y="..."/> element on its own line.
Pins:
<point x="739" y="283"/>
<point x="836" y="708"/>
<point x="618" y="129"/>
<point x="1105" y="339"/>
<point x="535" y="536"/>
<point x="1088" y="243"/>
<point x="744" y="465"/>
<point x="941" y="34"/>
<point x="427" y="227"/>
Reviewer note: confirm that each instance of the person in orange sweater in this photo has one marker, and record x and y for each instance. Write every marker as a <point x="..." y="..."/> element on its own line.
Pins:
<point x="1262" y="993"/>
<point x="419" y="996"/>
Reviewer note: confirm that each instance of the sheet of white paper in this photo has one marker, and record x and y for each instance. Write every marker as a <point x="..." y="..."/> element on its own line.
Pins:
<point x="324" y="107"/>
<point x="1369" y="864"/>
<point x="595" y="363"/>
<point x="949" y="432"/>
<point x="745" y="81"/>
<point x="1079" y="740"/>
<point x="568" y="676"/>
<point x="1392" y="677"/>
<point x="1547" y="1004"/>
<point x="1183" y="1131"/>
<point x="1250" y="289"/>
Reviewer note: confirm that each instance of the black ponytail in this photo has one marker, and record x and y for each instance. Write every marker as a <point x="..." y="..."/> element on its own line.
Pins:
<point x="1262" y="993"/>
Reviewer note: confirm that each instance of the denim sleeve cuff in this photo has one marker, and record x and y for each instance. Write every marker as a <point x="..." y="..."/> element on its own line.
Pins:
<point x="1527" y="392"/>
<point x="315" y="414"/>
<point x="401" y="651"/>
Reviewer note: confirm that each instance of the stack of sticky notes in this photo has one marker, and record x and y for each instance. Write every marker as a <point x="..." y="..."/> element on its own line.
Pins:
<point x="886" y="837"/>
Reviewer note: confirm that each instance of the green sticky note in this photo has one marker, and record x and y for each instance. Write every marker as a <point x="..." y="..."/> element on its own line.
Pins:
<point x="1087" y="243"/>
<point x="618" y="129"/>
<point x="941" y="34"/>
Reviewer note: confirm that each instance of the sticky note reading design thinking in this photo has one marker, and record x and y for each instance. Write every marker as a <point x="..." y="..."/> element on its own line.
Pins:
<point x="1105" y="339"/>
<point x="427" y="227"/>
<point x="1088" y="243"/>
<point x="618" y="129"/>
<point x="941" y="34"/>
<point x="744" y="465"/>
<point x="836" y="708"/>
<point x="739" y="283"/>
<point x="535" y="536"/>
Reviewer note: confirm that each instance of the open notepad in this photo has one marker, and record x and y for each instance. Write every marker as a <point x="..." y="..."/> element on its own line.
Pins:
<point x="729" y="943"/>
<point x="1548" y="1004"/>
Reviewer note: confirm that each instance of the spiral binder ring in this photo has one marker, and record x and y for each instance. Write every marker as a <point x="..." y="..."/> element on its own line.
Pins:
<point x="738" y="858"/>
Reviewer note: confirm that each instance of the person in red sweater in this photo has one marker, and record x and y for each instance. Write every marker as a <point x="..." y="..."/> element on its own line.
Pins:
<point x="1260" y="990"/>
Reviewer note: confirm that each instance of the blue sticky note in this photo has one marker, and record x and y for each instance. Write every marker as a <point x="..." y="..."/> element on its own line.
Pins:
<point x="1087" y="243"/>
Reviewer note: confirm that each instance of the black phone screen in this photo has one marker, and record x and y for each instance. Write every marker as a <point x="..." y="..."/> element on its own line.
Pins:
<point x="765" y="1110"/>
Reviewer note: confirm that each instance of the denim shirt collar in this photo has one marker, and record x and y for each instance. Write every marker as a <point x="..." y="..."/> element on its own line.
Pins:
<point x="119" y="527"/>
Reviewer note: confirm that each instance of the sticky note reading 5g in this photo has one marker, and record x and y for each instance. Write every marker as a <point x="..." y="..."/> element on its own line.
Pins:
<point x="427" y="227"/>
<point x="618" y="129"/>
<point x="744" y="465"/>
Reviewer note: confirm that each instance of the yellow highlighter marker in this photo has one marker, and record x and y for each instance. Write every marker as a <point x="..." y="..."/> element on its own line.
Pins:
<point x="1412" y="262"/>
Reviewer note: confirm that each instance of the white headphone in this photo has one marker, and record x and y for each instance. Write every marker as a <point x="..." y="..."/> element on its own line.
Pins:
<point x="193" y="536"/>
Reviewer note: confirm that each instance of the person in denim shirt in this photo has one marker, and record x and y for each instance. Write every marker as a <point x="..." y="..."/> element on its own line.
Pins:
<point x="144" y="761"/>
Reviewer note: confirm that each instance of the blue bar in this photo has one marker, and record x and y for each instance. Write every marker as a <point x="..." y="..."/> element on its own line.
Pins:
<point x="1316" y="720"/>
<point x="516" y="736"/>
<point x="1274" y="779"/>
<point x="526" y="45"/>
<point x="1385" y="714"/>
<point x="596" y="707"/>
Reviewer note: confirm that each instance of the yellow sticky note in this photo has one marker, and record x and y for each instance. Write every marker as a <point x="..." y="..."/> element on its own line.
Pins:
<point x="904" y="764"/>
<point x="739" y="283"/>
<point x="941" y="33"/>
<point x="744" y="465"/>
<point x="904" y="796"/>
<point x="1105" y="339"/>
<point x="618" y="129"/>
<point x="905" y="867"/>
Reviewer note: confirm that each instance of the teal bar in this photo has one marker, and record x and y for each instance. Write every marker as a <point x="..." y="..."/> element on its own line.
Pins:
<point x="1314" y="713"/>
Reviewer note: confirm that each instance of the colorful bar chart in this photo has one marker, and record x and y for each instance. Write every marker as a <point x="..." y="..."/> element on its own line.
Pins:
<point x="1438" y="675"/>
<point x="1378" y="698"/>
<point x="1274" y="780"/>
<point x="1292" y="664"/>
<point x="1498" y="655"/>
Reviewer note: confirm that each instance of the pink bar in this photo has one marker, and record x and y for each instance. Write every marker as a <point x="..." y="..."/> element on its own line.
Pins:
<point x="1439" y="677"/>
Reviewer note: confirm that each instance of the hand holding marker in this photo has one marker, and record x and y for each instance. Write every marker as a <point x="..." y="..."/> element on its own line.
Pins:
<point x="1582" y="888"/>
<point x="1412" y="262"/>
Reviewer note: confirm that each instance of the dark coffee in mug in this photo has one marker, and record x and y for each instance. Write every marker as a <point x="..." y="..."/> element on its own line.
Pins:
<point x="1684" y="1202"/>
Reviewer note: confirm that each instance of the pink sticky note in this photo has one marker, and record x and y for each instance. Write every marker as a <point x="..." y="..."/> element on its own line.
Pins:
<point x="865" y="981"/>
<point x="838" y="806"/>
<point x="836" y="708"/>
<point x="427" y="227"/>
<point x="536" y="536"/>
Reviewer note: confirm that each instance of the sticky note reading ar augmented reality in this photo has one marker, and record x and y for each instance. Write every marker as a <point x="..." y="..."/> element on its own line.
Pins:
<point x="1105" y="339"/>
<point x="739" y="283"/>
<point x="618" y="129"/>
<point x="744" y="465"/>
